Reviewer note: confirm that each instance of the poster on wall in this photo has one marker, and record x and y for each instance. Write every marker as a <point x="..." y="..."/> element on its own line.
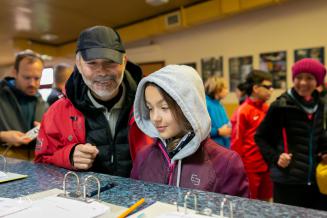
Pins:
<point x="190" y="64"/>
<point x="211" y="66"/>
<point x="275" y="63"/>
<point x="317" y="53"/>
<point x="239" y="68"/>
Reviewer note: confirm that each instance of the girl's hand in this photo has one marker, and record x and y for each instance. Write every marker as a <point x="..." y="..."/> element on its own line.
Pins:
<point x="284" y="160"/>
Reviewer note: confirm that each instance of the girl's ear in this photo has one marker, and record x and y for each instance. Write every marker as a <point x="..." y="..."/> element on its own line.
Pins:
<point x="255" y="88"/>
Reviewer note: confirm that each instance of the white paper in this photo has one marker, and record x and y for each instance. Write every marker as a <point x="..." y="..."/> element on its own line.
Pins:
<point x="180" y="215"/>
<point x="164" y="210"/>
<point x="5" y="177"/>
<point x="9" y="206"/>
<point x="54" y="207"/>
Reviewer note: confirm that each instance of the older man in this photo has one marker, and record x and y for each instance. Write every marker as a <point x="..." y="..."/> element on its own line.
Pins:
<point x="89" y="129"/>
<point x="21" y="105"/>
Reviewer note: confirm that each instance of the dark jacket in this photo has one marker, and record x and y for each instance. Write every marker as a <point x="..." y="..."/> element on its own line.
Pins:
<point x="211" y="168"/>
<point x="11" y="114"/>
<point x="89" y="125"/>
<point x="305" y="138"/>
<point x="54" y="95"/>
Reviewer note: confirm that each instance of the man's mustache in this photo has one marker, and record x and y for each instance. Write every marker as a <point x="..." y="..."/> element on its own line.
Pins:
<point x="104" y="78"/>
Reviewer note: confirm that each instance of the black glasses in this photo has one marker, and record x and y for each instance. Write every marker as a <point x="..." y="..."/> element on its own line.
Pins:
<point x="269" y="87"/>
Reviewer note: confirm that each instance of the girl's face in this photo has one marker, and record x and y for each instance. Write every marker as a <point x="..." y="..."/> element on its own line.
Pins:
<point x="263" y="91"/>
<point x="160" y="114"/>
<point x="305" y="84"/>
<point x="222" y="94"/>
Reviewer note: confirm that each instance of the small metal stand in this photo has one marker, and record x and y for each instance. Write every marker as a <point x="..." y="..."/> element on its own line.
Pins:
<point x="77" y="195"/>
<point x="223" y="203"/>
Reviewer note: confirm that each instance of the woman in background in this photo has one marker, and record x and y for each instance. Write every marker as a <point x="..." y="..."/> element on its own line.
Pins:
<point x="216" y="90"/>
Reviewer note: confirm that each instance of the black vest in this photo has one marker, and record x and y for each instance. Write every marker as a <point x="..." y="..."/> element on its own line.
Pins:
<point x="114" y="154"/>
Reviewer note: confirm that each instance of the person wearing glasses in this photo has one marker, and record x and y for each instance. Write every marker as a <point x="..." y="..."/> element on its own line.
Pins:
<point x="21" y="105"/>
<point x="292" y="138"/>
<point x="258" y="86"/>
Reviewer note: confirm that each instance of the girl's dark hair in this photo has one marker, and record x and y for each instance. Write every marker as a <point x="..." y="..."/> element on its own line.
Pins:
<point x="255" y="77"/>
<point x="241" y="87"/>
<point x="177" y="114"/>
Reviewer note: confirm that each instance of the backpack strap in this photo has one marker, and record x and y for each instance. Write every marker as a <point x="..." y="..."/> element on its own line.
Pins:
<point x="285" y="140"/>
<point x="283" y="104"/>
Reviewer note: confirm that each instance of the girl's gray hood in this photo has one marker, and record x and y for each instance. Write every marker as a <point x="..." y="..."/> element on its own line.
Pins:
<point x="185" y="86"/>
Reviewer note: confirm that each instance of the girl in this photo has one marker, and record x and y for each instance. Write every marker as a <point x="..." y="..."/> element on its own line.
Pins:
<point x="170" y="107"/>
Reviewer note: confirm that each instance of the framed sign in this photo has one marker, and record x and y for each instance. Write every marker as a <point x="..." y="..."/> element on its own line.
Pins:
<point x="275" y="63"/>
<point x="211" y="66"/>
<point x="239" y="68"/>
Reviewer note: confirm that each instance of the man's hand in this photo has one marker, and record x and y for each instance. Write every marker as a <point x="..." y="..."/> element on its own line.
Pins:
<point x="284" y="160"/>
<point x="15" y="138"/>
<point x="225" y="130"/>
<point x="84" y="155"/>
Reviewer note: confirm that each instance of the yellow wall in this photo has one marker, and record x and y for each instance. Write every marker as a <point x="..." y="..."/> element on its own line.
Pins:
<point x="288" y="26"/>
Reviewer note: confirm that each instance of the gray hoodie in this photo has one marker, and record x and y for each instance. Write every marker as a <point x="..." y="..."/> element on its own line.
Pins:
<point x="185" y="86"/>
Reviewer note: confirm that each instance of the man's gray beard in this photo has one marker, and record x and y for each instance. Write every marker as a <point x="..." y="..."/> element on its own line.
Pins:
<point x="104" y="95"/>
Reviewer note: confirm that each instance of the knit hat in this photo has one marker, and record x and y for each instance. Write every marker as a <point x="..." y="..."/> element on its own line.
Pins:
<point x="311" y="66"/>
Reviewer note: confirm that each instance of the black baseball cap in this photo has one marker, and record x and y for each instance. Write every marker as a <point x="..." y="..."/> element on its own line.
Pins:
<point x="100" y="42"/>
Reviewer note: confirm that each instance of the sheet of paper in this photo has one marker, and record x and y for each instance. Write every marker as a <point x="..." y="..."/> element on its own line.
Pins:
<point x="112" y="212"/>
<point x="54" y="207"/>
<point x="9" y="206"/>
<point x="163" y="210"/>
<point x="6" y="177"/>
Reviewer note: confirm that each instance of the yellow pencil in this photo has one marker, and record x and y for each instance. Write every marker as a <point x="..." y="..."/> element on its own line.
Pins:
<point x="131" y="208"/>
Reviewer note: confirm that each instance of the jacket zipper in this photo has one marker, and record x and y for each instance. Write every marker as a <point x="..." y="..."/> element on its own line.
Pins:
<point x="310" y="157"/>
<point x="171" y="166"/>
<point x="106" y="114"/>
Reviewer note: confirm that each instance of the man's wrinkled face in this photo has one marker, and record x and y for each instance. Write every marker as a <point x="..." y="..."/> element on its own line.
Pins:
<point x="28" y="76"/>
<point x="102" y="76"/>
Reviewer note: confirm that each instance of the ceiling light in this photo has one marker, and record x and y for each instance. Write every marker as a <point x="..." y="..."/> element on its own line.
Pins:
<point x="156" y="2"/>
<point x="49" y="37"/>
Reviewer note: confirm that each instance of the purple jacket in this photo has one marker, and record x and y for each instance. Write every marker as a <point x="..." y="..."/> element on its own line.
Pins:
<point x="211" y="168"/>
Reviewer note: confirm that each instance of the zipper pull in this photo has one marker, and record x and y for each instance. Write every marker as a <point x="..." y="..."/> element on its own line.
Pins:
<point x="112" y="159"/>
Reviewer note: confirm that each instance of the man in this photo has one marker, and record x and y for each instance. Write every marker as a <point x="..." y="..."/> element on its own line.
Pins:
<point x="92" y="127"/>
<point x="21" y="105"/>
<point x="258" y="87"/>
<point x="61" y="73"/>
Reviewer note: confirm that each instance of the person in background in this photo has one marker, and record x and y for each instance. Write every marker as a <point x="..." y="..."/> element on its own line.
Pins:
<point x="291" y="138"/>
<point x="21" y="105"/>
<point x="216" y="90"/>
<point x="61" y="73"/>
<point x="92" y="127"/>
<point x="240" y="93"/>
<point x="170" y="107"/>
<point x="249" y="116"/>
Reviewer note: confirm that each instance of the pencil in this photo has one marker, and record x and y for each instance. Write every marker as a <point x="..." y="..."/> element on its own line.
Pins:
<point x="131" y="208"/>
